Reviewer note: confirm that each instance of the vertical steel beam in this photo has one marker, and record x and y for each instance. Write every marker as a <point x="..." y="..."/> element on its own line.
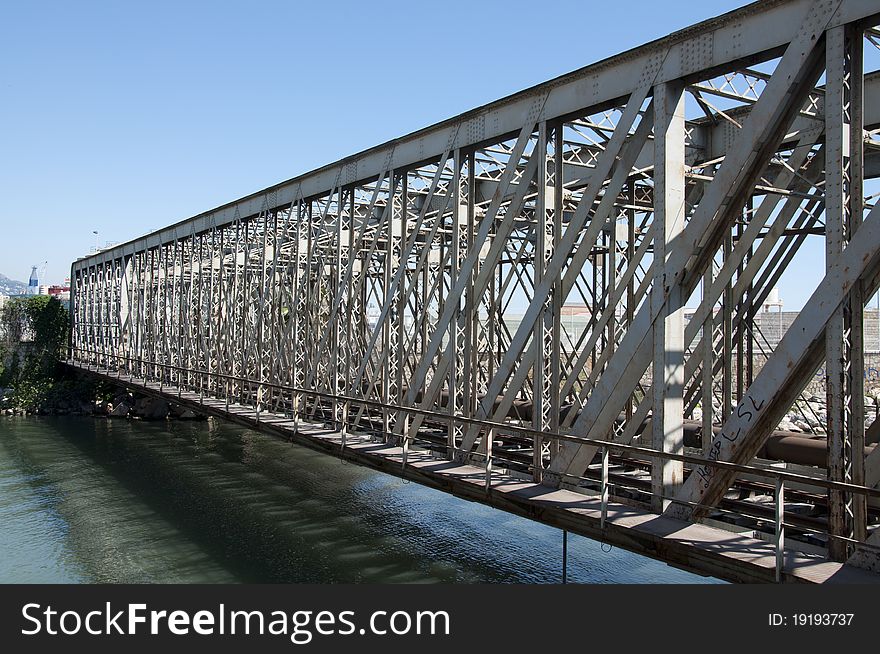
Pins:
<point x="545" y="385"/>
<point x="297" y="301"/>
<point x="708" y="347"/>
<point x="727" y="333"/>
<point x="339" y="270"/>
<point x="459" y="195"/>
<point x="389" y="333"/>
<point x="397" y="245"/>
<point x="843" y="210"/>
<point x="669" y="216"/>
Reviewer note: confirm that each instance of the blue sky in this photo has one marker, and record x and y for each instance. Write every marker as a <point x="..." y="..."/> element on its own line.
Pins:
<point x="124" y="117"/>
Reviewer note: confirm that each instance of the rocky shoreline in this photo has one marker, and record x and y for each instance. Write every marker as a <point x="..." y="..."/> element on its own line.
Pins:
<point x="123" y="404"/>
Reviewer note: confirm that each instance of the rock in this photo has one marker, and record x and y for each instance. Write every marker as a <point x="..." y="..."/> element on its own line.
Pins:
<point x="123" y="397"/>
<point x="151" y="409"/>
<point x="180" y="412"/>
<point x="120" y="410"/>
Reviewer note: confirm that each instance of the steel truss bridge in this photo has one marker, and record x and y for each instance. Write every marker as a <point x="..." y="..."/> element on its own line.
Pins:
<point x="403" y="307"/>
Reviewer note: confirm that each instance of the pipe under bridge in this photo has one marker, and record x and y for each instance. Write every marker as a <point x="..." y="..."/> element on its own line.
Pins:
<point x="407" y="307"/>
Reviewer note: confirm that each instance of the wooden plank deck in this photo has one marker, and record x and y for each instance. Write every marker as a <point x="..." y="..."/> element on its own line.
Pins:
<point x="699" y="548"/>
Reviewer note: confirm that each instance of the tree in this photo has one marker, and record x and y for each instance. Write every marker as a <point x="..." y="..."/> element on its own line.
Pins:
<point x="14" y="321"/>
<point x="33" y="331"/>
<point x="49" y="322"/>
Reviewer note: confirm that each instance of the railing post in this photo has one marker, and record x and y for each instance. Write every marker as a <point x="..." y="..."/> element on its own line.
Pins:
<point x="296" y="413"/>
<point x="257" y="398"/>
<point x="490" y="436"/>
<point x="780" y="527"/>
<point x="344" y="427"/>
<point x="450" y="443"/>
<point x="604" y="489"/>
<point x="386" y="421"/>
<point x="405" y="438"/>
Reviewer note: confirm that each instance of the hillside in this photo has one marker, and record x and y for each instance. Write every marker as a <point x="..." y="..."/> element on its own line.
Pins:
<point x="11" y="287"/>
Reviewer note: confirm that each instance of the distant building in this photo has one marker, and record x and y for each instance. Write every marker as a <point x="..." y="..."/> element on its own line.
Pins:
<point x="770" y="326"/>
<point x="61" y="293"/>
<point x="33" y="282"/>
<point x="574" y="309"/>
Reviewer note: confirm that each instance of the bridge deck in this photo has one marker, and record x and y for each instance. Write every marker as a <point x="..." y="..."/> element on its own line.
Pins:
<point x="699" y="548"/>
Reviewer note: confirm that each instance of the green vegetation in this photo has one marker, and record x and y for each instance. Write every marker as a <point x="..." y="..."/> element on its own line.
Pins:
<point x="33" y="335"/>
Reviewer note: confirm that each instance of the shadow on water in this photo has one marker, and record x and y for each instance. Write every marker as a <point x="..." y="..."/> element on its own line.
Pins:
<point x="176" y="501"/>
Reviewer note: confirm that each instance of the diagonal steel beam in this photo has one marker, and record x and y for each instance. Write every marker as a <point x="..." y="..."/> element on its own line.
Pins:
<point x="782" y="378"/>
<point x="565" y="254"/>
<point x="692" y="251"/>
<point x="462" y="281"/>
<point x="410" y="248"/>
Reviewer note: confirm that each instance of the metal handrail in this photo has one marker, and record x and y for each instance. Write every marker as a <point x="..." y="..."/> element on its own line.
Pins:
<point x="768" y="473"/>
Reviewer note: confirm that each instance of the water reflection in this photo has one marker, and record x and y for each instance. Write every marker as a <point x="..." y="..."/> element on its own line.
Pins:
<point x="120" y="501"/>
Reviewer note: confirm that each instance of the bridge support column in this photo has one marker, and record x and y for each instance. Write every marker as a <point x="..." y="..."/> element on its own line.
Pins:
<point x="844" y="342"/>
<point x="455" y="348"/>
<point x="546" y="346"/>
<point x="669" y="215"/>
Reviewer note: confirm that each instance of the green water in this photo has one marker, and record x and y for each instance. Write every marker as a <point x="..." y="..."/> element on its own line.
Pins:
<point x="92" y="500"/>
